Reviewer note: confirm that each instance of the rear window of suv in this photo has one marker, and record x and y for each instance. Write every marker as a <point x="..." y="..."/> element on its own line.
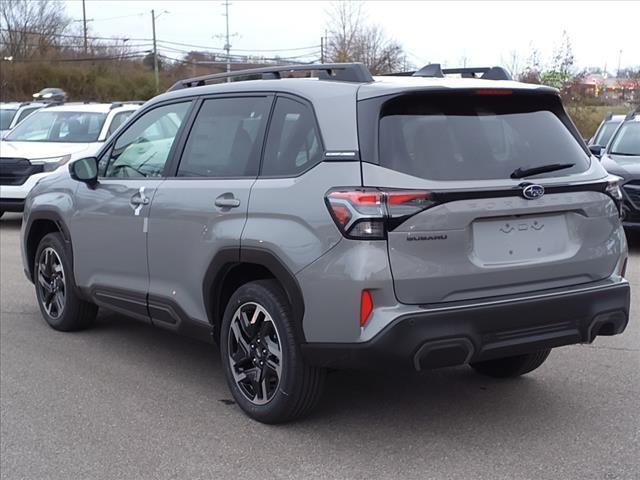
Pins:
<point x="476" y="137"/>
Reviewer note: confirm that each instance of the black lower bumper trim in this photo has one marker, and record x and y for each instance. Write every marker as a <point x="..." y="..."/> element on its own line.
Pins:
<point x="456" y="336"/>
<point x="11" y="205"/>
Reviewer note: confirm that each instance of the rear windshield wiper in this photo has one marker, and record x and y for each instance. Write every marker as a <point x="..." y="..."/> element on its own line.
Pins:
<point x="552" y="167"/>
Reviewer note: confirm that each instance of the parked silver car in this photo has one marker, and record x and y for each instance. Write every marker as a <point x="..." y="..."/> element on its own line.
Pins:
<point x="349" y="221"/>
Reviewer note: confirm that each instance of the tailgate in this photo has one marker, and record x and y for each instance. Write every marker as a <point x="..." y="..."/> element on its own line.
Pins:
<point x="484" y="247"/>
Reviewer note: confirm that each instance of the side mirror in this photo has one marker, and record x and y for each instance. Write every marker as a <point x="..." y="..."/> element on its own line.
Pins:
<point x="85" y="170"/>
<point x="597" y="150"/>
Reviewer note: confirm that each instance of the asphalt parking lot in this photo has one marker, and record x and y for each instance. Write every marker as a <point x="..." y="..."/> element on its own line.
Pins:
<point x="124" y="400"/>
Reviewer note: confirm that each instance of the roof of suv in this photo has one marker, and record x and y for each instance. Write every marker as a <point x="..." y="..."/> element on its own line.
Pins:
<point x="317" y="89"/>
<point x="92" y="107"/>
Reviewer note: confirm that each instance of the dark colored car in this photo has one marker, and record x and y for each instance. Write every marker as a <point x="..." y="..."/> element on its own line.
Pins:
<point x="56" y="95"/>
<point x="622" y="158"/>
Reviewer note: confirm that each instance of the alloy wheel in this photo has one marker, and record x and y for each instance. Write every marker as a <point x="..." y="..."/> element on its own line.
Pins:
<point x="51" y="282"/>
<point x="255" y="353"/>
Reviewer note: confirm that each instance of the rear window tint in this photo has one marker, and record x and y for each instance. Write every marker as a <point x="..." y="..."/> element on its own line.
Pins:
<point x="475" y="137"/>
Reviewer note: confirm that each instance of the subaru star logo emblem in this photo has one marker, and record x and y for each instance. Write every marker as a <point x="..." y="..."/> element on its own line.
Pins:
<point x="531" y="192"/>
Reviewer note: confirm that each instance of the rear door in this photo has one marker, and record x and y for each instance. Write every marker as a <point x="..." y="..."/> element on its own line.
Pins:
<point x="484" y="233"/>
<point x="202" y="207"/>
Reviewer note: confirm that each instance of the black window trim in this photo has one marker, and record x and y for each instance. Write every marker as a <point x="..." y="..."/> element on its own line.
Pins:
<point x="309" y="104"/>
<point x="133" y="118"/>
<point x="172" y="170"/>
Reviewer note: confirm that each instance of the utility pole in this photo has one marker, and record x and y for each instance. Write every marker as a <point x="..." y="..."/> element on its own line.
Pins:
<point x="321" y="49"/>
<point x="155" y="52"/>
<point x="619" y="59"/>
<point x="84" y="23"/>
<point x="227" y="45"/>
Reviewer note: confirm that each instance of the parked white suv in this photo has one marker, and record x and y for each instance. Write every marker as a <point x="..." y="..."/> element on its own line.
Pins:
<point x="12" y="113"/>
<point x="50" y="138"/>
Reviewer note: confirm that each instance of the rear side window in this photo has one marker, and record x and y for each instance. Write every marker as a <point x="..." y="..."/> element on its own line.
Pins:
<point x="475" y="137"/>
<point x="225" y="139"/>
<point x="293" y="142"/>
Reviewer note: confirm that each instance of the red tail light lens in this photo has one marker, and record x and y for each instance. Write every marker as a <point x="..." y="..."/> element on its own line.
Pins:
<point x="368" y="213"/>
<point x="366" y="307"/>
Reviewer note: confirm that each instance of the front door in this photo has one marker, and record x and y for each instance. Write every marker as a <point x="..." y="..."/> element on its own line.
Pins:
<point x="109" y="229"/>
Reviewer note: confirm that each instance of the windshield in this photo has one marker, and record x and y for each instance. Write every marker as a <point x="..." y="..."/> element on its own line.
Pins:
<point x="627" y="141"/>
<point x="6" y="116"/>
<point x="605" y="133"/>
<point x="59" y="126"/>
<point x="476" y="137"/>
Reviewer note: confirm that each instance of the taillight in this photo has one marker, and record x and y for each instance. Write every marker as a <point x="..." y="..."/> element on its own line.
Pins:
<point x="362" y="213"/>
<point x="614" y="191"/>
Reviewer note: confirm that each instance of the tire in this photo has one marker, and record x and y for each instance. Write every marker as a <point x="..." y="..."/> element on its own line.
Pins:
<point x="511" y="367"/>
<point x="284" y="387"/>
<point x="59" y="303"/>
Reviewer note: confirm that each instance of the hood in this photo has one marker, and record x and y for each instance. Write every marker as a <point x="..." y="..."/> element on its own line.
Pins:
<point x="35" y="150"/>
<point x="627" y="167"/>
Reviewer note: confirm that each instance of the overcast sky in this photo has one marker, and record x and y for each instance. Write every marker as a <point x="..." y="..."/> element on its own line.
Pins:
<point x="480" y="33"/>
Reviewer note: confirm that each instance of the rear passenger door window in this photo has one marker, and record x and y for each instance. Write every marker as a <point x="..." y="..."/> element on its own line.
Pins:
<point x="225" y="140"/>
<point x="293" y="141"/>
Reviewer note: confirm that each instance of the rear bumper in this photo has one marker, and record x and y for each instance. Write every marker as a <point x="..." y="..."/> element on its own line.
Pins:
<point x="458" y="335"/>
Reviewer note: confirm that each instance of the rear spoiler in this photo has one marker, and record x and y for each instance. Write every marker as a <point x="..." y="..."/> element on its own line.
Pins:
<point x="434" y="70"/>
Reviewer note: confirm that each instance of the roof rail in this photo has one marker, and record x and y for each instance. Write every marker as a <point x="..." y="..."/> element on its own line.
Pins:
<point x="53" y="104"/>
<point x="126" y="102"/>
<point x="343" y="72"/>
<point x="608" y="116"/>
<point x="632" y="113"/>
<point x="487" y="73"/>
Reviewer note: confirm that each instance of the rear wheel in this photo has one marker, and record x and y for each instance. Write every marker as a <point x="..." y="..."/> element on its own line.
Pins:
<point x="510" y="367"/>
<point x="59" y="303"/>
<point x="260" y="351"/>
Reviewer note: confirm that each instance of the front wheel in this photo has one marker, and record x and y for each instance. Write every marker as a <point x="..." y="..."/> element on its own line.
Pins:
<point x="59" y="303"/>
<point x="260" y="352"/>
<point x="510" y="367"/>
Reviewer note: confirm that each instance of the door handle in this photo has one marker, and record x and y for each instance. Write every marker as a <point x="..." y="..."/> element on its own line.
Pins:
<point x="136" y="200"/>
<point x="226" y="200"/>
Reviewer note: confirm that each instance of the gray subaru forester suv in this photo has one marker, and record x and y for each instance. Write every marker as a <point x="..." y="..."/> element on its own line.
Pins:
<point x="340" y="221"/>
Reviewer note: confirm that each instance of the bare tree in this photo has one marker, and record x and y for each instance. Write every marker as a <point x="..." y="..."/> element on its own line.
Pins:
<point x="512" y="63"/>
<point x="533" y="67"/>
<point x="31" y="27"/>
<point x="352" y="40"/>
<point x="563" y="56"/>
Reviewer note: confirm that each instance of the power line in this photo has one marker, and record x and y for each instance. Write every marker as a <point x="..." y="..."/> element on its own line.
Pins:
<point x="64" y="35"/>
<point x="112" y="18"/>
<point x="90" y="59"/>
<point x="180" y="44"/>
<point x="169" y="42"/>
